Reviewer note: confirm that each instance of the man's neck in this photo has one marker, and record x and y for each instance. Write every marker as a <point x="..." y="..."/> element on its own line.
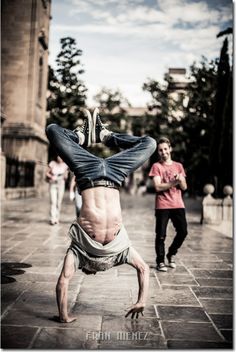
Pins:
<point x="167" y="162"/>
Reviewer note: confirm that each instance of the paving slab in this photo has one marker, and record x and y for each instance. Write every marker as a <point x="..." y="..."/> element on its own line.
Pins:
<point x="215" y="282"/>
<point x="197" y="345"/>
<point x="228" y="334"/>
<point x="188" y="307"/>
<point x="190" y="331"/>
<point x="212" y="273"/>
<point x="213" y="292"/>
<point x="175" y="296"/>
<point x="17" y="337"/>
<point x="183" y="314"/>
<point x="217" y="306"/>
<point x="222" y="321"/>
<point x="73" y="338"/>
<point x="141" y="334"/>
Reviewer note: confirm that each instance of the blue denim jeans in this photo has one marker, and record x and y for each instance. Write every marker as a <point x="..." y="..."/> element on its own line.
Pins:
<point x="87" y="167"/>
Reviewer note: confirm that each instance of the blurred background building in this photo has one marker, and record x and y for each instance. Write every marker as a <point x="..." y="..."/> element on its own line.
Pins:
<point x="25" y="31"/>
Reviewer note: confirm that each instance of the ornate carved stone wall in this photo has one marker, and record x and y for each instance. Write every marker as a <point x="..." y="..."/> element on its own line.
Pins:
<point x="25" y="32"/>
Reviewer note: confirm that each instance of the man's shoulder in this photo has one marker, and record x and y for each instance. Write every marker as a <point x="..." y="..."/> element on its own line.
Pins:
<point x="157" y="163"/>
<point x="177" y="163"/>
<point x="157" y="166"/>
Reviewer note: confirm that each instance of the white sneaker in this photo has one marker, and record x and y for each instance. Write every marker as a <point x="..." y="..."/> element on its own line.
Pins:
<point x="161" y="267"/>
<point x="85" y="131"/>
<point x="171" y="261"/>
<point x="99" y="132"/>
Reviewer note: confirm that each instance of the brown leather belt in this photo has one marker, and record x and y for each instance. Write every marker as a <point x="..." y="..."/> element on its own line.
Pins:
<point x="97" y="183"/>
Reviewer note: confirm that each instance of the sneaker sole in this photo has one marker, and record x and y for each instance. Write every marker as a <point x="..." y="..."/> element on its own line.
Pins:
<point x="95" y="113"/>
<point x="172" y="266"/>
<point x="164" y="270"/>
<point x="90" y="126"/>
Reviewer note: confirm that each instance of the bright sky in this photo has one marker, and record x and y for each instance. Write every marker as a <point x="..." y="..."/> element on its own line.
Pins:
<point x="124" y="42"/>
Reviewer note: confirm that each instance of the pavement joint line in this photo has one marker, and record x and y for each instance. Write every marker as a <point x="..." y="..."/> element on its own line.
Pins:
<point x="215" y="286"/>
<point x="28" y="255"/>
<point x="162" y="331"/>
<point x="217" y="299"/>
<point x="156" y="311"/>
<point x="190" y="273"/>
<point x="20" y="230"/>
<point x="202" y="269"/>
<point x="176" y="285"/>
<point x="212" y="322"/>
<point x="34" y="338"/>
<point x="217" y="330"/>
<point x="186" y="321"/>
<point x="178" y="305"/>
<point x="158" y="281"/>
<point x="12" y="247"/>
<point x="12" y="304"/>
<point x="198" y="300"/>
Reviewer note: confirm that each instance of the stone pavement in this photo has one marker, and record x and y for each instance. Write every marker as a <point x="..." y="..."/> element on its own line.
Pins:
<point x="189" y="307"/>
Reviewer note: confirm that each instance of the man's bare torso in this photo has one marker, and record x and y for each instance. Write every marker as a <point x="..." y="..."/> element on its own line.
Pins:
<point x="100" y="215"/>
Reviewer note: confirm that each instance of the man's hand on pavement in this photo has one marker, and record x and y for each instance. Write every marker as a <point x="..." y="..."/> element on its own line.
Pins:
<point x="135" y="310"/>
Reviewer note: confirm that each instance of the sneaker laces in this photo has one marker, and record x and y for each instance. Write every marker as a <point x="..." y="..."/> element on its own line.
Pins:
<point x="103" y="125"/>
<point x="82" y="128"/>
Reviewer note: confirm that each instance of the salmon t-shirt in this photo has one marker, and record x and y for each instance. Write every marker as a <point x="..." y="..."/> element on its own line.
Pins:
<point x="171" y="198"/>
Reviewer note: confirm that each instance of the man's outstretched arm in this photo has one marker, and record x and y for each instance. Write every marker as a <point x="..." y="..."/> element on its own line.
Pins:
<point x="143" y="280"/>
<point x="62" y="289"/>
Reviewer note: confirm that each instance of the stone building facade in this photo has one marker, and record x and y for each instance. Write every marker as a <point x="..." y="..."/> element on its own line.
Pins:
<point x="25" y="33"/>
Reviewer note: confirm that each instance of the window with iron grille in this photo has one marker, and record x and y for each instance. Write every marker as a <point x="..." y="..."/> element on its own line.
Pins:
<point x="19" y="173"/>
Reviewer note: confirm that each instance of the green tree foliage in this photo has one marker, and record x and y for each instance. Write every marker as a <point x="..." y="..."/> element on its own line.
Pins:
<point x="222" y="140"/>
<point x="202" y="137"/>
<point x="189" y="131"/>
<point x="67" y="92"/>
<point x="112" y="105"/>
<point x="162" y="119"/>
<point x="198" y="122"/>
<point x="158" y="106"/>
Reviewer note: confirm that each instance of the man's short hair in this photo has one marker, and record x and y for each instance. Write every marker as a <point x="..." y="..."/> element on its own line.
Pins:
<point x="164" y="140"/>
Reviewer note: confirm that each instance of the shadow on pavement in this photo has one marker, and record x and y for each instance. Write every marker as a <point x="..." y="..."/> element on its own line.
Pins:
<point x="12" y="269"/>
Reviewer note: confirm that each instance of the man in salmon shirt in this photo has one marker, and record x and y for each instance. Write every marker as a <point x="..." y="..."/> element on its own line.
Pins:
<point x="169" y="182"/>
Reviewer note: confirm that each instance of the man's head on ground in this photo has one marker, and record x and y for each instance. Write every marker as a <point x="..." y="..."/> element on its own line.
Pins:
<point x="164" y="149"/>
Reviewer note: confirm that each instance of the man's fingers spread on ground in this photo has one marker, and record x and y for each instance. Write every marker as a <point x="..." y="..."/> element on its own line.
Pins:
<point x="134" y="313"/>
<point x="127" y="314"/>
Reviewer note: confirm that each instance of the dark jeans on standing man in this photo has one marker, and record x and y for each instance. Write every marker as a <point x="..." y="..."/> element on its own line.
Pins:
<point x="178" y="218"/>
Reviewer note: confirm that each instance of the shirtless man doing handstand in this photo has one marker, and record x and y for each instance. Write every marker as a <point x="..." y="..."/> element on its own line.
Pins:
<point x="99" y="240"/>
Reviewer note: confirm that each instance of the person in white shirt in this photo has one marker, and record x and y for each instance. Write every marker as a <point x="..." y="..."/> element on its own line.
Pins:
<point x="57" y="174"/>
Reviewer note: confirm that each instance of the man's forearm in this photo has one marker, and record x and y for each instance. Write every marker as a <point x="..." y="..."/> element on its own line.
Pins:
<point x="165" y="186"/>
<point x="61" y="294"/>
<point x="143" y="280"/>
<point x="183" y="185"/>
